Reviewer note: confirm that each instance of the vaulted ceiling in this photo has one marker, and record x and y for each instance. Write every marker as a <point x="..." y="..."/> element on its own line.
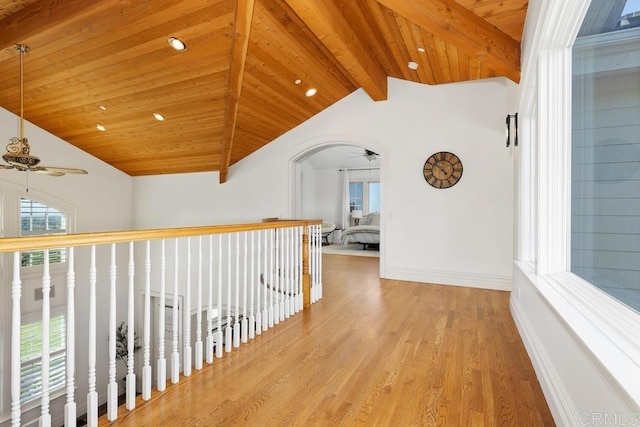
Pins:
<point x="242" y="80"/>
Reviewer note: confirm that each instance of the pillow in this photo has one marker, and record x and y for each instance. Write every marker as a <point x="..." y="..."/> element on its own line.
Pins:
<point x="370" y="219"/>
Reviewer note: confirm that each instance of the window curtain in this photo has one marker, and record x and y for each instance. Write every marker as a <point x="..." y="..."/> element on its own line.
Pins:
<point x="345" y="199"/>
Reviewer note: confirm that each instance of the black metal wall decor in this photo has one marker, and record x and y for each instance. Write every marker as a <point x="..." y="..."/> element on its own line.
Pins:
<point x="515" y="129"/>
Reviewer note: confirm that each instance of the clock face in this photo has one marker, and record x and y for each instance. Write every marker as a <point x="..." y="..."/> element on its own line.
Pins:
<point x="442" y="170"/>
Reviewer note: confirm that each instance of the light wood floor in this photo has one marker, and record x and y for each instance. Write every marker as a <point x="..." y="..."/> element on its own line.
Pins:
<point x="372" y="352"/>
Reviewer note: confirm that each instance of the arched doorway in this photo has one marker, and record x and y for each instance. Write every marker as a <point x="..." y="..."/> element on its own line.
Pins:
<point x="300" y="200"/>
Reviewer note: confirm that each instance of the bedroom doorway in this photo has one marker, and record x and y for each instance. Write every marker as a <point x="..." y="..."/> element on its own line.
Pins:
<point x="341" y="184"/>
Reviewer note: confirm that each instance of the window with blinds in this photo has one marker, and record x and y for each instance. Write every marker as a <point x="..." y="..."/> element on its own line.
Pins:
<point x="31" y="357"/>
<point x="37" y="219"/>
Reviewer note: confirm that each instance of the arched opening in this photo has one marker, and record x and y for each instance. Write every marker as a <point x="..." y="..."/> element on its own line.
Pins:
<point x="316" y="186"/>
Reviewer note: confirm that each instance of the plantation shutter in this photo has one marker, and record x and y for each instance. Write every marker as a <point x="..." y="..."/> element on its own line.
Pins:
<point x="31" y="357"/>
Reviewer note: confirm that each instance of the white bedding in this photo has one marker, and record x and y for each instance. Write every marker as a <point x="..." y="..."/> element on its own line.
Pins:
<point x="365" y="234"/>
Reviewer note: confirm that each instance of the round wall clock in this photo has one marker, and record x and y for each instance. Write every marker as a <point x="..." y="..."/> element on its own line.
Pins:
<point x="442" y="170"/>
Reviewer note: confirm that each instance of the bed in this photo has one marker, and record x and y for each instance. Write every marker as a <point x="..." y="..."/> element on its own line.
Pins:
<point x="366" y="233"/>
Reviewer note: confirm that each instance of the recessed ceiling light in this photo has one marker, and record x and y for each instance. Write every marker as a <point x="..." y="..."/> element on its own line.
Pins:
<point x="103" y="108"/>
<point x="421" y="50"/>
<point x="298" y="81"/>
<point x="311" y="91"/>
<point x="177" y="44"/>
<point x="159" y="117"/>
<point x="100" y="127"/>
<point x="413" y="65"/>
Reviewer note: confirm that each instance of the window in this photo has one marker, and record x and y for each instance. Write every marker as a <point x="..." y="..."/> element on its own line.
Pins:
<point x="31" y="357"/>
<point x="601" y="327"/>
<point x="605" y="151"/>
<point x="374" y="197"/>
<point x="364" y="196"/>
<point x="38" y="219"/>
<point x="356" y="196"/>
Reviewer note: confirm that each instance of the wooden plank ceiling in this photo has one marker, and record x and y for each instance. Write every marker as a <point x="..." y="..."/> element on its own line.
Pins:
<point x="233" y="89"/>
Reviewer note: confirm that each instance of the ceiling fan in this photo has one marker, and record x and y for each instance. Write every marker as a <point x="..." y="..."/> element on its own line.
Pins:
<point x="18" y="155"/>
<point x="368" y="154"/>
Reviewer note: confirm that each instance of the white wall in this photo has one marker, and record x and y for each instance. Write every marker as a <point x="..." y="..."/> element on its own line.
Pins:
<point x="328" y="195"/>
<point x="462" y="235"/>
<point x="101" y="201"/>
<point x="310" y="205"/>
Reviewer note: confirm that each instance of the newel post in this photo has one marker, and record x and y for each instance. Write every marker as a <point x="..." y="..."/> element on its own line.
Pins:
<point x="306" y="277"/>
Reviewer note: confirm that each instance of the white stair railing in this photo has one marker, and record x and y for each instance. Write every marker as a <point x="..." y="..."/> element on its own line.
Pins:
<point x="112" y="388"/>
<point x="70" y="407"/>
<point x="92" y="395"/>
<point x="266" y="273"/>
<point x="161" y="374"/>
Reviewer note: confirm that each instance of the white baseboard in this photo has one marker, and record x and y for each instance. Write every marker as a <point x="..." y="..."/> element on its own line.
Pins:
<point x="558" y="399"/>
<point x="455" y="278"/>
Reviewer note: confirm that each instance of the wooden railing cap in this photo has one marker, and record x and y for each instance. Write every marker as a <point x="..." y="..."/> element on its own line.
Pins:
<point x="27" y="243"/>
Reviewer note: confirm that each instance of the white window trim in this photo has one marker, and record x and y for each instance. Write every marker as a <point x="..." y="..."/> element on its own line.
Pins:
<point x="608" y="328"/>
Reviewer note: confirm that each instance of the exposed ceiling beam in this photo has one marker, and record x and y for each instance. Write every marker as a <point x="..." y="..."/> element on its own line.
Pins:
<point x="456" y="24"/>
<point x="327" y="22"/>
<point x="240" y="43"/>
<point x="45" y="15"/>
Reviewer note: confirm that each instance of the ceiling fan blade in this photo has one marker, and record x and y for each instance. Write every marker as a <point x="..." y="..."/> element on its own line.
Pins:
<point x="48" y="172"/>
<point x="7" y="167"/>
<point x="58" y="171"/>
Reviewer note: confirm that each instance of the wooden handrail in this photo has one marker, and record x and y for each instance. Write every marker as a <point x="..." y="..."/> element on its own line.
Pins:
<point x="27" y="243"/>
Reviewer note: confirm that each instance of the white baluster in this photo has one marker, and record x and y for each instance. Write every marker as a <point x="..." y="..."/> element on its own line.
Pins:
<point x="276" y="284"/>
<point x="314" y="293"/>
<point x="283" y="272"/>
<point x="252" y="317"/>
<point x="92" y="395"/>
<point x="146" y="366"/>
<point x="70" y="405"/>
<point x="161" y="376"/>
<point x="318" y="263"/>
<point x="175" y="355"/>
<point x="112" y="387"/>
<point x="186" y="368"/>
<point x="258" y="295"/>
<point x="244" y="325"/>
<point x="131" y="376"/>
<point x="319" y="233"/>
<point x="298" y="269"/>
<point x="219" y="335"/>
<point x="209" y="352"/>
<point x="236" y="323"/>
<point x="289" y="306"/>
<point x="270" y="283"/>
<point x="15" y="341"/>
<point x="228" y="332"/>
<point x="284" y="308"/>
<point x="300" y="249"/>
<point x="294" y="271"/>
<point x="312" y="261"/>
<point x="265" y="269"/>
<point x="199" y="354"/>
<point x="45" y="416"/>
